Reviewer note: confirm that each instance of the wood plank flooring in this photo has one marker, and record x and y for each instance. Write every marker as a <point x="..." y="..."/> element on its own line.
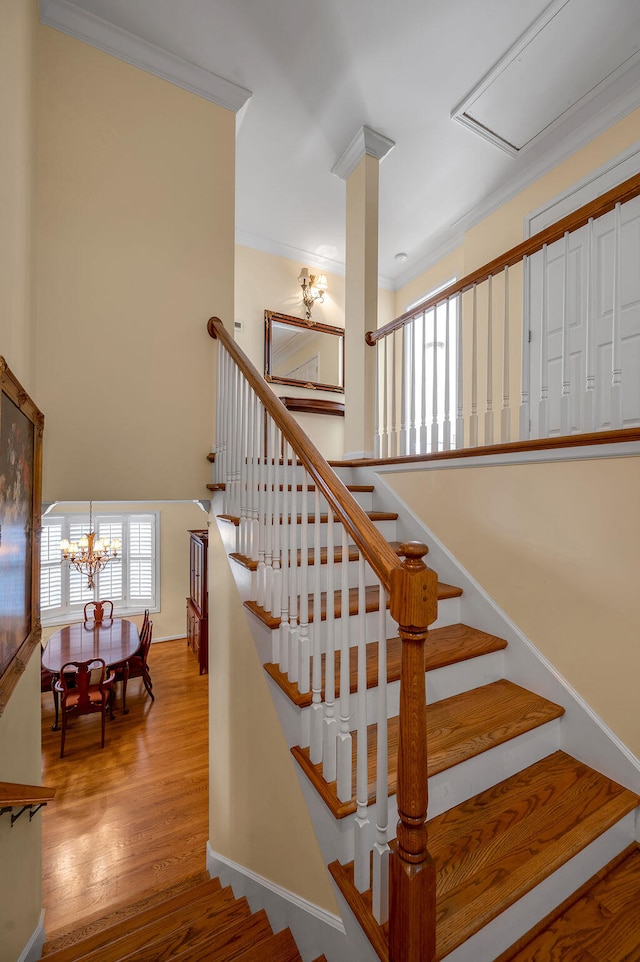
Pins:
<point x="130" y="820"/>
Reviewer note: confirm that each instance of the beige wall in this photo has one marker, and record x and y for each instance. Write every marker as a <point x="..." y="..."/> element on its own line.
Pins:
<point x="556" y="546"/>
<point x="18" y="25"/>
<point x="268" y="282"/>
<point x="135" y="252"/>
<point x="257" y="814"/>
<point x="20" y="846"/>
<point x="176" y="520"/>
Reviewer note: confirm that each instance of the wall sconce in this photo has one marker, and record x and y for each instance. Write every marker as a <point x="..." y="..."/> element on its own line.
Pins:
<point x="313" y="288"/>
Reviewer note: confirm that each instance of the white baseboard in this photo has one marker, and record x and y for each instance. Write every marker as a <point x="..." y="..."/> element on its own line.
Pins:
<point x="33" y="949"/>
<point x="315" y="930"/>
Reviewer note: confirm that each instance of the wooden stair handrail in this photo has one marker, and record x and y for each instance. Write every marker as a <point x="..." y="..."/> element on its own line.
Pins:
<point x="12" y="793"/>
<point x="620" y="194"/>
<point x="413" y="596"/>
<point x="373" y="546"/>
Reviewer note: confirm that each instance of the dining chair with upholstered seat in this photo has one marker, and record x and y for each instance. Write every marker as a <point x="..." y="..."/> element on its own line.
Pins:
<point x="98" y="611"/>
<point x="137" y="666"/>
<point x="89" y="694"/>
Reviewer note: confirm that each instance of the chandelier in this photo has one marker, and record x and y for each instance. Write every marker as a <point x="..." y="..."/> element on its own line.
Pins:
<point x="89" y="554"/>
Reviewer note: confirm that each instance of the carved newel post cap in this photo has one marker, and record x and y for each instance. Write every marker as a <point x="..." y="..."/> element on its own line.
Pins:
<point x="413" y="550"/>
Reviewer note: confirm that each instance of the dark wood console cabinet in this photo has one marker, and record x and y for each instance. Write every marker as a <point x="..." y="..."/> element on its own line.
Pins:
<point x="197" y="602"/>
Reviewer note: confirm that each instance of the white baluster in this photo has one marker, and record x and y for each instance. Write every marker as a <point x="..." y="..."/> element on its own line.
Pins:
<point x="446" y="427"/>
<point x="255" y="471"/>
<point x="589" y="423"/>
<point x="304" y="657"/>
<point x="565" y="399"/>
<point x="411" y="335"/>
<point x="404" y="439"/>
<point x="362" y="863"/>
<point x="473" y="420"/>
<point x="505" y="434"/>
<point x="244" y="466"/>
<point x="225" y="433"/>
<point x="294" y="569"/>
<point x="330" y="729"/>
<point x="345" y="748"/>
<point x="423" y="413"/>
<point x="315" y="750"/>
<point x="525" y="376"/>
<point x="384" y="447"/>
<point x="543" y="407"/>
<point x="488" y="417"/>
<point x="285" y="563"/>
<point x="459" y="376"/>
<point x="219" y="396"/>
<point x="380" y="906"/>
<point x="377" y="435"/>
<point x="276" y="588"/>
<point x="616" y="327"/>
<point x="262" y="506"/>
<point x="394" y="446"/>
<point x="268" y="543"/>
<point x="435" y="433"/>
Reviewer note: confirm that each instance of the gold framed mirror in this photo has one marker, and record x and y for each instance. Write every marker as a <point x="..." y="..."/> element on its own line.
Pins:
<point x="303" y="353"/>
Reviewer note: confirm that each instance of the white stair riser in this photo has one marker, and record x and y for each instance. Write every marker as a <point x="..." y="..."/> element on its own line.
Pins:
<point x="441" y="683"/>
<point x="446" y="789"/>
<point x="448" y="614"/>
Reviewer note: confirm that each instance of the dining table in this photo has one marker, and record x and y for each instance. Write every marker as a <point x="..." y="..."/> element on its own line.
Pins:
<point x="114" y="640"/>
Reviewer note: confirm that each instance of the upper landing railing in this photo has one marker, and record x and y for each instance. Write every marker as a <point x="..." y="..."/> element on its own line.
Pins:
<point x="284" y="493"/>
<point x="539" y="343"/>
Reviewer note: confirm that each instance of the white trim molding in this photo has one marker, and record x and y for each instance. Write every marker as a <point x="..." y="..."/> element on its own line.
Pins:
<point x="315" y="930"/>
<point x="365" y="142"/>
<point x="33" y="949"/>
<point x="76" y="22"/>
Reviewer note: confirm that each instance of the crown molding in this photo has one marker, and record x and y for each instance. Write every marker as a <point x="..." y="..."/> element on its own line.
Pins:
<point x="278" y="249"/>
<point x="365" y="142"/>
<point x="75" y="22"/>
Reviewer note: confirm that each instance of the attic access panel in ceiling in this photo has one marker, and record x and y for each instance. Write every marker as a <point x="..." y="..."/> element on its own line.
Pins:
<point x="569" y="54"/>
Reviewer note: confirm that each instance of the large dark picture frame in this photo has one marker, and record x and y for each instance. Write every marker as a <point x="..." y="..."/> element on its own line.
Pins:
<point x="21" y="429"/>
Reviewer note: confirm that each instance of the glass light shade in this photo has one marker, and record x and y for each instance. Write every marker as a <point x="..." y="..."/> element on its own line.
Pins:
<point x="303" y="277"/>
<point x="321" y="282"/>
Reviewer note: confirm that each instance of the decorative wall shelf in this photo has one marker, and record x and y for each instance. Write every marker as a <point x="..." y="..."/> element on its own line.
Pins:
<point x="29" y="798"/>
<point x="313" y="406"/>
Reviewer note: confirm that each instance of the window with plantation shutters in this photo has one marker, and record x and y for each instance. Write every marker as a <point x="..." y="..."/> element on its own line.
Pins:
<point x="131" y="581"/>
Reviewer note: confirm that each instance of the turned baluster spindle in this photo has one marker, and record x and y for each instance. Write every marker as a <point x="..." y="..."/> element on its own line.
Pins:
<point x="414" y="606"/>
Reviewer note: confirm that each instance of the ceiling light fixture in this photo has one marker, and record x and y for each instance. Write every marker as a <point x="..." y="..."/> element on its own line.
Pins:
<point x="89" y="554"/>
<point x="313" y="288"/>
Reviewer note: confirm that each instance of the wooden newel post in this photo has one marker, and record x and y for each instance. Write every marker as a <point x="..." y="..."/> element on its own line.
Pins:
<point x="412" y="883"/>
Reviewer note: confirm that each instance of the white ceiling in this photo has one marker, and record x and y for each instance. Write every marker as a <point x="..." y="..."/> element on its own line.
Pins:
<point x="318" y="70"/>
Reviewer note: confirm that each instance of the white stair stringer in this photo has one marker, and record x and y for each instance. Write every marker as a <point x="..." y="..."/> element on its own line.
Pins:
<point x="584" y="734"/>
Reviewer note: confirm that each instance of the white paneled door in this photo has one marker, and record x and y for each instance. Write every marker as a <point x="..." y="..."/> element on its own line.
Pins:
<point x="584" y="318"/>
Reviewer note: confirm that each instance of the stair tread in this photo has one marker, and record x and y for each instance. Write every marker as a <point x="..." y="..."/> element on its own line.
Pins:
<point x="164" y="938"/>
<point x="232" y="942"/>
<point x="601" y="923"/>
<point x="445" y="646"/>
<point x="117" y="923"/>
<point x="492" y="849"/>
<point x="279" y="948"/>
<point x="458" y="728"/>
<point x="372" y="603"/>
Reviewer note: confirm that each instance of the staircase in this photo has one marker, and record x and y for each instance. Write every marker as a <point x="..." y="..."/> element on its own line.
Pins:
<point x="203" y="923"/>
<point x="516" y="825"/>
<point x="407" y="696"/>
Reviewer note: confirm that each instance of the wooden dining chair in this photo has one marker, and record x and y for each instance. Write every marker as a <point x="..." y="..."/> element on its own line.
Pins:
<point x="89" y="695"/>
<point x="97" y="611"/>
<point x="137" y="666"/>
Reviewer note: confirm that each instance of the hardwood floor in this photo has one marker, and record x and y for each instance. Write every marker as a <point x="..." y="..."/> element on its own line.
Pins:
<point x="130" y="820"/>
